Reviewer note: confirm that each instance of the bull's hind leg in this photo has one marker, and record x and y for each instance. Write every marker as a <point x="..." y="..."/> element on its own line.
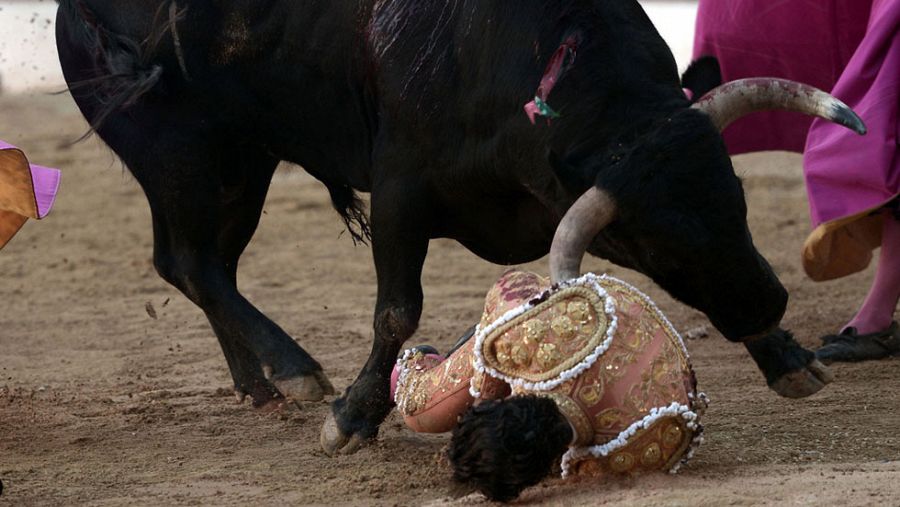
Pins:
<point x="204" y="215"/>
<point x="205" y="188"/>
<point x="206" y="198"/>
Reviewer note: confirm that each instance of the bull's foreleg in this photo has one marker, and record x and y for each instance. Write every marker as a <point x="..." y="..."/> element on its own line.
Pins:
<point x="399" y="244"/>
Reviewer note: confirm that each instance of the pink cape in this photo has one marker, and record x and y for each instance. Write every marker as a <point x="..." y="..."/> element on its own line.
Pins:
<point x="850" y="47"/>
<point x="26" y="190"/>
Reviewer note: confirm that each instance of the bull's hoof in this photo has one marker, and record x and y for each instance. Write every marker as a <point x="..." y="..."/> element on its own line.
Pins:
<point x="277" y="405"/>
<point x="790" y="370"/>
<point x="312" y="387"/>
<point x="265" y="399"/>
<point x="803" y="383"/>
<point x="334" y="441"/>
<point x="263" y="395"/>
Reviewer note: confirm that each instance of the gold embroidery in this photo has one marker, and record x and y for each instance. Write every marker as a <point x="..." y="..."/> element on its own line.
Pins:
<point x="678" y="453"/>
<point x="608" y="418"/>
<point x="520" y="355"/>
<point x="618" y="290"/>
<point x="571" y="347"/>
<point x="503" y="353"/>
<point x="621" y="462"/>
<point x="547" y="355"/>
<point x="591" y="394"/>
<point x="560" y="345"/>
<point x="410" y="395"/>
<point x="579" y="311"/>
<point x="563" y="327"/>
<point x="659" y="383"/>
<point x="672" y="436"/>
<point x="535" y="329"/>
<point x="652" y="454"/>
<point x="642" y="452"/>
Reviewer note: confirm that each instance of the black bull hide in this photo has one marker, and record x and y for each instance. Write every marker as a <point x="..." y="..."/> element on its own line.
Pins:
<point x="420" y="104"/>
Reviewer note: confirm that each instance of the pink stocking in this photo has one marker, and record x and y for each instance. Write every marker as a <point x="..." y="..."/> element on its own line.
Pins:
<point x="877" y="311"/>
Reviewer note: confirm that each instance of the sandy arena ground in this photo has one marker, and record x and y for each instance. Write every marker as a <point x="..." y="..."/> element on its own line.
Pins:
<point x="101" y="404"/>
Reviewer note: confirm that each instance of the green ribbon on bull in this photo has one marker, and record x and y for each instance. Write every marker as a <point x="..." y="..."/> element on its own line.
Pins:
<point x="545" y="109"/>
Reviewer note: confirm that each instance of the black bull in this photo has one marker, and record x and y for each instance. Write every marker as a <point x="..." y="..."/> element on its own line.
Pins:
<point x="420" y="104"/>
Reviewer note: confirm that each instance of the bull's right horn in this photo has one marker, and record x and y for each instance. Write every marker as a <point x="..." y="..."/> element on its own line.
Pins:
<point x="593" y="211"/>
<point x="736" y="99"/>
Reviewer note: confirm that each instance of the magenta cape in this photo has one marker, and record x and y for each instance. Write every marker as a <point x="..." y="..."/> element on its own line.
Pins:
<point x="26" y="190"/>
<point x="801" y="40"/>
<point x="850" y="47"/>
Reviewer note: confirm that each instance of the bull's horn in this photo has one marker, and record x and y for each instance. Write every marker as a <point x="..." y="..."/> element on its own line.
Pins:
<point x="736" y="99"/>
<point x="585" y="219"/>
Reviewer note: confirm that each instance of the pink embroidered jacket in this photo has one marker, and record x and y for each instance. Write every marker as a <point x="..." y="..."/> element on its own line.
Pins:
<point x="598" y="347"/>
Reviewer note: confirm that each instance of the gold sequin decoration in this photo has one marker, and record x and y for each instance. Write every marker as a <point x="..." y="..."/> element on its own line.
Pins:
<point x="672" y="436"/>
<point x="503" y="352"/>
<point x="563" y="327"/>
<point x="420" y="398"/>
<point x="535" y="330"/>
<point x="520" y="355"/>
<point x="547" y="355"/>
<point x="621" y="462"/>
<point x="579" y="311"/>
<point x="572" y="342"/>
<point x="652" y="454"/>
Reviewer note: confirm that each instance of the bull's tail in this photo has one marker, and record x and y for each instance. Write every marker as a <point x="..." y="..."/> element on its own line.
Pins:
<point x="352" y="211"/>
<point x="121" y="71"/>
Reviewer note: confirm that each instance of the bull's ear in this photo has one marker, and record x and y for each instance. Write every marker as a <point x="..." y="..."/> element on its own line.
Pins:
<point x="701" y="76"/>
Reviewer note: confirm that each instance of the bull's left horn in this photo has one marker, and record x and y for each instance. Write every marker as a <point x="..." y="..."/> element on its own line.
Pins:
<point x="593" y="211"/>
<point x="736" y="99"/>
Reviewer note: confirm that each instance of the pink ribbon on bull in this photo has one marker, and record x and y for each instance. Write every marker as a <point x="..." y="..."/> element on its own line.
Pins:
<point x="561" y="60"/>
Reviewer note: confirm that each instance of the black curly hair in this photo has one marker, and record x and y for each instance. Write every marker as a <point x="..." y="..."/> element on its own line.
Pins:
<point x="502" y="447"/>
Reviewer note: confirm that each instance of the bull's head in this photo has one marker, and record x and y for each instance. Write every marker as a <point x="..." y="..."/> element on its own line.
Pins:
<point x="672" y="207"/>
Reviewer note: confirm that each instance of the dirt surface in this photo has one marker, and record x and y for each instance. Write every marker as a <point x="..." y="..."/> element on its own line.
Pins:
<point x="101" y="403"/>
